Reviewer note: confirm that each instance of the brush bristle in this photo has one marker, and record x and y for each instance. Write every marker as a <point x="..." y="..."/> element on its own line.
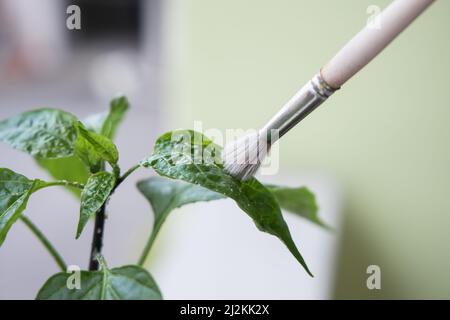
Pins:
<point x="243" y="157"/>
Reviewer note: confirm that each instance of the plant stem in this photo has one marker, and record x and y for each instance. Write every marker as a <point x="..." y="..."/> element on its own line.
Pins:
<point x="47" y="244"/>
<point x="147" y="248"/>
<point x="128" y="173"/>
<point x="97" y="240"/>
<point x="116" y="171"/>
<point x="63" y="183"/>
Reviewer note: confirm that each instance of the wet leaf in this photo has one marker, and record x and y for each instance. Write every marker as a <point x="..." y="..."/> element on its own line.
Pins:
<point x="95" y="193"/>
<point x="15" y="190"/>
<point x="93" y="149"/>
<point x="125" y="283"/>
<point x="189" y="156"/>
<point x="45" y="133"/>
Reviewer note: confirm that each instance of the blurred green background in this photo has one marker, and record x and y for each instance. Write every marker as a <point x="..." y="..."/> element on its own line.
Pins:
<point x="385" y="135"/>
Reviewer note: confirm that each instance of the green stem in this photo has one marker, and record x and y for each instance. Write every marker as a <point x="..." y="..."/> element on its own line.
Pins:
<point x="128" y="173"/>
<point x="47" y="244"/>
<point x="116" y="171"/>
<point x="104" y="268"/>
<point x="102" y="262"/>
<point x="63" y="183"/>
<point x="148" y="247"/>
<point x="156" y="227"/>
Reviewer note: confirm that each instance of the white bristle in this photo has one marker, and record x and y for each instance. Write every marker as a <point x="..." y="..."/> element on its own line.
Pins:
<point x="243" y="157"/>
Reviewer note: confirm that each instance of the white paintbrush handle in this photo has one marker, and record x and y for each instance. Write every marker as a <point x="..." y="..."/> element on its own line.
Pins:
<point x="360" y="50"/>
<point x="352" y="58"/>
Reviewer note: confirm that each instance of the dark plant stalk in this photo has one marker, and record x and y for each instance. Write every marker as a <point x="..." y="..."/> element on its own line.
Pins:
<point x="46" y="243"/>
<point x="97" y="239"/>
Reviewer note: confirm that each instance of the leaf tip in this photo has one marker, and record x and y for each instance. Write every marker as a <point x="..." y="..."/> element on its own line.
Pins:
<point x="79" y="230"/>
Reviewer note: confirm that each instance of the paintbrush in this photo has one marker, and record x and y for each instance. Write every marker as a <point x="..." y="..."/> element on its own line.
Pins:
<point x="243" y="157"/>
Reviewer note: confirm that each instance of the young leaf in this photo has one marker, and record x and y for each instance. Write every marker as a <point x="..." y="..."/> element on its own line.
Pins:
<point x="300" y="201"/>
<point x="125" y="283"/>
<point x="15" y="190"/>
<point x="165" y="195"/>
<point x="118" y="108"/>
<point x="45" y="133"/>
<point x="189" y="156"/>
<point x="70" y="169"/>
<point x="107" y="123"/>
<point x="93" y="149"/>
<point x="95" y="193"/>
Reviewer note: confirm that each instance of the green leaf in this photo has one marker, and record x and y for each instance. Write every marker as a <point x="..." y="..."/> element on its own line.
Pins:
<point x="165" y="195"/>
<point x="95" y="193"/>
<point x="45" y="133"/>
<point x="300" y="201"/>
<point x="189" y="156"/>
<point x="93" y="149"/>
<point x="106" y="123"/>
<point x="118" y="108"/>
<point x="15" y="190"/>
<point x="125" y="283"/>
<point x="70" y="169"/>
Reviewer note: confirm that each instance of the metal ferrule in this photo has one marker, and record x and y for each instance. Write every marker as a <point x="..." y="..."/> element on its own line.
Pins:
<point x="313" y="94"/>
